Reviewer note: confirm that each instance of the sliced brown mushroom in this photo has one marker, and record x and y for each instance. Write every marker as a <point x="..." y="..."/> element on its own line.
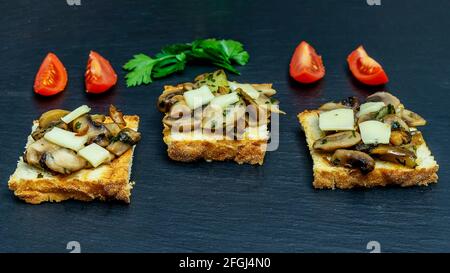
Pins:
<point x="367" y="116"/>
<point x="48" y="120"/>
<point x="413" y="119"/>
<point x="350" y="102"/>
<point x="399" y="130"/>
<point x="117" y="116"/>
<point x="124" y="141"/>
<point x="182" y="124"/>
<point x="265" y="88"/>
<point x="400" y="138"/>
<point x="63" y="161"/>
<point x="396" y="154"/>
<point x="336" y="141"/>
<point x="332" y="106"/>
<point x="51" y="117"/>
<point x="35" y="150"/>
<point x="180" y="109"/>
<point x="353" y="159"/>
<point x="385" y="97"/>
<point x="113" y="128"/>
<point x="365" y="148"/>
<point x="41" y="131"/>
<point x="169" y="97"/>
<point x="96" y="131"/>
<point x="49" y="156"/>
<point x="262" y="102"/>
<point x="98" y="118"/>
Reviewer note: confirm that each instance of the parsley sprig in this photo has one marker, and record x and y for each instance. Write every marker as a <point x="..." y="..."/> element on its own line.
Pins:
<point x="143" y="69"/>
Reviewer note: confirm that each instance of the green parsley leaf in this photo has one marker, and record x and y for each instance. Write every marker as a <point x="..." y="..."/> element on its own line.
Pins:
<point x="141" y="68"/>
<point x="173" y="58"/>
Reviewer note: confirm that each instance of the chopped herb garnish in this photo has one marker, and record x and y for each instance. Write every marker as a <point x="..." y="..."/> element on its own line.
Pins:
<point x="40" y="175"/>
<point x="77" y="125"/>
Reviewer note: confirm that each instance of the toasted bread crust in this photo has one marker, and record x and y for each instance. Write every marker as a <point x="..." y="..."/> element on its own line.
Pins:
<point x="331" y="177"/>
<point x="106" y="182"/>
<point x="241" y="151"/>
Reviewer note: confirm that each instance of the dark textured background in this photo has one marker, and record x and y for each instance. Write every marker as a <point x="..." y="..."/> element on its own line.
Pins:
<point x="223" y="206"/>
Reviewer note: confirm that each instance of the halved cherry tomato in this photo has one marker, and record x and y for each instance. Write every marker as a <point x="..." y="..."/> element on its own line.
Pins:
<point x="51" y="77"/>
<point x="99" y="76"/>
<point x="306" y="66"/>
<point x="366" y="69"/>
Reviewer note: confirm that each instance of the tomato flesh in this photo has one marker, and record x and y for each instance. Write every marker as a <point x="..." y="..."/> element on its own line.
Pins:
<point x="365" y="68"/>
<point x="51" y="77"/>
<point x="100" y="75"/>
<point x="306" y="65"/>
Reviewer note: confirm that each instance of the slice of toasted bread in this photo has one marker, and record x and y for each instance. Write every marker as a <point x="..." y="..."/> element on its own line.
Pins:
<point x="328" y="176"/>
<point x="106" y="182"/>
<point x="188" y="148"/>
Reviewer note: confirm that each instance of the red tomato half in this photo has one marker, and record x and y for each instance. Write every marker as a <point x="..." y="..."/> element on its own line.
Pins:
<point x="366" y="69"/>
<point x="99" y="76"/>
<point x="306" y="66"/>
<point x="51" y="77"/>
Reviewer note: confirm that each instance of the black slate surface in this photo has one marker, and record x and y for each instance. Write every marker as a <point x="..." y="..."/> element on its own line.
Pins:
<point x="221" y="207"/>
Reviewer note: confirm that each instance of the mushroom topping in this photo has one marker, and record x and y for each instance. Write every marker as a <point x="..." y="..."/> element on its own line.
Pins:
<point x="49" y="118"/>
<point x="117" y="116"/>
<point x="62" y="160"/>
<point x="213" y="118"/>
<point x="215" y="81"/>
<point x="49" y="156"/>
<point x="180" y="109"/>
<point x="265" y="88"/>
<point x="399" y="130"/>
<point x="350" y="102"/>
<point x="169" y="97"/>
<point x="96" y="131"/>
<point x="41" y="131"/>
<point x="398" y="155"/>
<point x="98" y="118"/>
<point x="123" y="141"/>
<point x="262" y="102"/>
<point x="35" y="150"/>
<point x="337" y="141"/>
<point x="331" y="106"/>
<point x="367" y="116"/>
<point x="182" y="124"/>
<point x="353" y="159"/>
<point x="233" y="114"/>
<point x="413" y="119"/>
<point x="385" y="97"/>
<point x="365" y="148"/>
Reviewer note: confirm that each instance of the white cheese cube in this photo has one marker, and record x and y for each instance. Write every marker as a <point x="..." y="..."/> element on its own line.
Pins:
<point x="247" y="88"/>
<point x="375" y="132"/>
<point x="337" y="120"/>
<point x="94" y="154"/>
<point x="66" y="139"/>
<point x="198" y="97"/>
<point x="224" y="100"/>
<point x="370" y="107"/>
<point x="84" y="109"/>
